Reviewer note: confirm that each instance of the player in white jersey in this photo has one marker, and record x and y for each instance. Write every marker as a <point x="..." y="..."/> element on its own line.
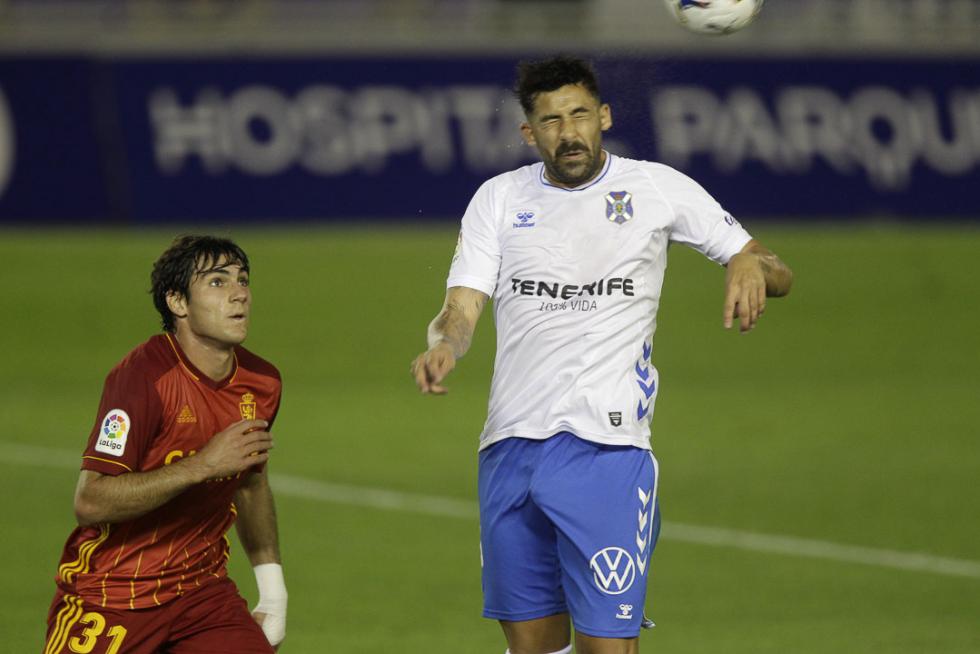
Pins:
<point x="573" y="252"/>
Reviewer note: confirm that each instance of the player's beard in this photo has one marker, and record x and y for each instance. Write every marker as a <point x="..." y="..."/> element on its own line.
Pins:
<point x="573" y="173"/>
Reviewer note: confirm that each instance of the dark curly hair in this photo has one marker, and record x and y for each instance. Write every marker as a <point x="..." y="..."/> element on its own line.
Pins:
<point x="186" y="257"/>
<point x="534" y="77"/>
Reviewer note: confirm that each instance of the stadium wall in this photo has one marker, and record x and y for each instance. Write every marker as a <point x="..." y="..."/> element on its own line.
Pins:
<point x="92" y="139"/>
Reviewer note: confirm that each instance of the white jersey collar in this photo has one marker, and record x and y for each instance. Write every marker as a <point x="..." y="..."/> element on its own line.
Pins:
<point x="605" y="169"/>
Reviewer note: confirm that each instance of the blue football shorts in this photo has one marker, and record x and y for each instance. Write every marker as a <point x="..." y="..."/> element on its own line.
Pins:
<point x="568" y="525"/>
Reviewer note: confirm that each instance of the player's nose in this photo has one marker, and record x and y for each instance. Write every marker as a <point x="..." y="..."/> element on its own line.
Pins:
<point x="566" y="131"/>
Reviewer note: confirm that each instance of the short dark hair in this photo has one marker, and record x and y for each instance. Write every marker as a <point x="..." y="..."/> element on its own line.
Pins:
<point x="186" y="257"/>
<point x="534" y="77"/>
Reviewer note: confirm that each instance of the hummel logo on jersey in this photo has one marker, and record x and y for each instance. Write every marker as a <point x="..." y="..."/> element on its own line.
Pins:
<point x="568" y="291"/>
<point x="524" y="219"/>
<point x="625" y="612"/>
<point x="186" y="416"/>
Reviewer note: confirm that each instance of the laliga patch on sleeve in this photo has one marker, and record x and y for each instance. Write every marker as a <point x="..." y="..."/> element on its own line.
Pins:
<point x="112" y="433"/>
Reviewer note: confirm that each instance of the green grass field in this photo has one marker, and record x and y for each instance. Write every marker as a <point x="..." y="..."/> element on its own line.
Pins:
<point x="851" y="415"/>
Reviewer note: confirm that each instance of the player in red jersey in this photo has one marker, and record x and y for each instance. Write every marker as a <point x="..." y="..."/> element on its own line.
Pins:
<point x="179" y="450"/>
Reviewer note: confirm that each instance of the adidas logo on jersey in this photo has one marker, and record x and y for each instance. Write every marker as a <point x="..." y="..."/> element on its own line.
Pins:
<point x="186" y="415"/>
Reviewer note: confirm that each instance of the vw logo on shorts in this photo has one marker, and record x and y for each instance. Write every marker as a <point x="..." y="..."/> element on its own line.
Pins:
<point x="613" y="570"/>
<point x="6" y="143"/>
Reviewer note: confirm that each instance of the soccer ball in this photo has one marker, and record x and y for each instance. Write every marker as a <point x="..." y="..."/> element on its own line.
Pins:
<point x="714" y="16"/>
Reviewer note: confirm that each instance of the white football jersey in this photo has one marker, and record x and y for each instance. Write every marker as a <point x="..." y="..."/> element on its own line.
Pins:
<point x="575" y="276"/>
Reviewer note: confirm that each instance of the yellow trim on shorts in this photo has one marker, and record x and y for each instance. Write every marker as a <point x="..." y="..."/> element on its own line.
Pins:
<point x="67" y="617"/>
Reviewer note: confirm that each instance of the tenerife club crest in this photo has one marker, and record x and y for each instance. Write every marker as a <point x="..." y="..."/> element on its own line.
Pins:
<point x="619" y="207"/>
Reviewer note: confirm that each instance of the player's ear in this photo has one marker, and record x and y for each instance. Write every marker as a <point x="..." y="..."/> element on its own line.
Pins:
<point x="527" y="134"/>
<point x="177" y="304"/>
<point x="605" y="117"/>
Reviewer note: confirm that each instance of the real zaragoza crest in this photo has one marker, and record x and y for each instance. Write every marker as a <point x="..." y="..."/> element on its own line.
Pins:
<point x="247" y="406"/>
<point x="619" y="206"/>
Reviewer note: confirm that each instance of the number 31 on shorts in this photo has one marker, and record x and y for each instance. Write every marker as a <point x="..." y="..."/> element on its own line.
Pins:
<point x="85" y="642"/>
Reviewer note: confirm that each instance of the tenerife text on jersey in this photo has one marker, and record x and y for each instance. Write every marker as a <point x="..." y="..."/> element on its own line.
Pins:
<point x="557" y="290"/>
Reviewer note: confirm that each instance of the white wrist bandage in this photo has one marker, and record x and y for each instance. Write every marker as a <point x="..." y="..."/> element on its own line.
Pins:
<point x="272" y="601"/>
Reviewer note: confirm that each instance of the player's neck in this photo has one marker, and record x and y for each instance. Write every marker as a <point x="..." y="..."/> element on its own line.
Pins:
<point x="214" y="359"/>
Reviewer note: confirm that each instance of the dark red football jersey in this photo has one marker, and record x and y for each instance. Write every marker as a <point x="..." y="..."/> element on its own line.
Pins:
<point x="157" y="408"/>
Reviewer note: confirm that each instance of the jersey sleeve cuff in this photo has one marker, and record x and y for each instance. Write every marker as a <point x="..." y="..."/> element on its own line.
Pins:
<point x="104" y="466"/>
<point x="733" y="245"/>
<point x="475" y="283"/>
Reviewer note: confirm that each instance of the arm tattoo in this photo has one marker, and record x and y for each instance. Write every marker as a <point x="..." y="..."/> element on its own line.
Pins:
<point x="454" y="325"/>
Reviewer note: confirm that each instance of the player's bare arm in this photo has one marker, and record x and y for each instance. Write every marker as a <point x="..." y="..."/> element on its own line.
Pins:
<point x="106" y="498"/>
<point x="449" y="337"/>
<point x="257" y="524"/>
<point x="258" y="532"/>
<point x="753" y="274"/>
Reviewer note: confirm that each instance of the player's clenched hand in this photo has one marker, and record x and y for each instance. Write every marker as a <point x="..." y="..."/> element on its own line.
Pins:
<point x="432" y="366"/>
<point x="745" y="291"/>
<point x="237" y="448"/>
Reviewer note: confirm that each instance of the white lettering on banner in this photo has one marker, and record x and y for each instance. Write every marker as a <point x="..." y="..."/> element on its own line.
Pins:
<point x="250" y="107"/>
<point x="876" y="129"/>
<point x="327" y="130"/>
<point x="6" y="143"/>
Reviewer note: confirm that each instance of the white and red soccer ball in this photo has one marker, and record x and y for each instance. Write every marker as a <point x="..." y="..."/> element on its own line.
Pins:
<point x="714" y="16"/>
